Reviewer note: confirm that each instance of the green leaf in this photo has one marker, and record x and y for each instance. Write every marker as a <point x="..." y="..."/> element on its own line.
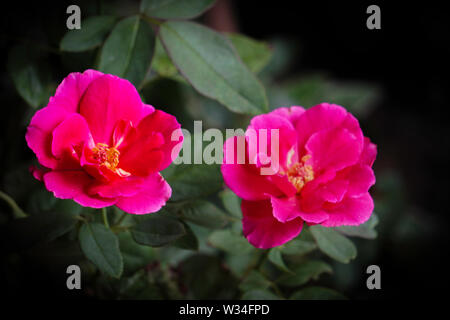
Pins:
<point x="276" y="258"/>
<point x="304" y="272"/>
<point x="259" y="295"/>
<point x="128" y="50"/>
<point x="317" y="293"/>
<point x="255" y="54"/>
<point x="240" y="264"/>
<point x="91" y="35"/>
<point x="190" y="181"/>
<point x="204" y="213"/>
<point x="333" y="244"/>
<point x="254" y="280"/>
<point x="135" y="256"/>
<point x="230" y="242"/>
<point x="158" y="230"/>
<point x="298" y="247"/>
<point x="101" y="246"/>
<point x="189" y="241"/>
<point x="194" y="49"/>
<point x="30" y="74"/>
<point x="41" y="201"/>
<point x="231" y="202"/>
<point x="365" y="230"/>
<point x="175" y="9"/>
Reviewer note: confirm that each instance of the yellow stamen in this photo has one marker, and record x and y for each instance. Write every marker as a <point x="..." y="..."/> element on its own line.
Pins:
<point x="300" y="173"/>
<point x="106" y="156"/>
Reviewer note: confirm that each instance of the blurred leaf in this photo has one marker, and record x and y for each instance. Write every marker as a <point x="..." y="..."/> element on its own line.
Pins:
<point x="190" y="181"/>
<point x="161" y="63"/>
<point x="44" y="227"/>
<point x="41" y="200"/>
<point x="91" y="35"/>
<point x="135" y="256"/>
<point x="365" y="230"/>
<point x="240" y="264"/>
<point x="304" y="272"/>
<point x="30" y="74"/>
<point x="137" y="287"/>
<point x="259" y="295"/>
<point x="158" y="230"/>
<point x="298" y="247"/>
<point x="254" y="280"/>
<point x="194" y="50"/>
<point x="175" y="9"/>
<point x="204" y="213"/>
<point x="255" y="54"/>
<point x="206" y="278"/>
<point x="231" y="202"/>
<point x="128" y="50"/>
<point x="355" y="97"/>
<point x="275" y="257"/>
<point x="317" y="293"/>
<point x="101" y="247"/>
<point x="230" y="242"/>
<point x="189" y="241"/>
<point x="333" y="244"/>
<point x="284" y="51"/>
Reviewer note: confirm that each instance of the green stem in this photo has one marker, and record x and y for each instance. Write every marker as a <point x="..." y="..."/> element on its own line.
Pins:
<point x="124" y="215"/>
<point x="17" y="211"/>
<point x="105" y="217"/>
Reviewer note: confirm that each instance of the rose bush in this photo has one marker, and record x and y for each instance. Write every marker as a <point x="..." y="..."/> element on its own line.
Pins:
<point x="100" y="145"/>
<point x="324" y="174"/>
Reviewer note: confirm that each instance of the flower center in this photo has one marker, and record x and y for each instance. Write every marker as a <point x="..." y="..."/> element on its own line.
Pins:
<point x="300" y="173"/>
<point x="106" y="156"/>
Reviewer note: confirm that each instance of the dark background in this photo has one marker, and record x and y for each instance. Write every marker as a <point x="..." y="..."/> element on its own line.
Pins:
<point x="407" y="58"/>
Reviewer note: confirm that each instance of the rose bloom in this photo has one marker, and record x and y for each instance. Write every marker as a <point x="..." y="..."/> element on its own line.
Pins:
<point x="100" y="145"/>
<point x="323" y="177"/>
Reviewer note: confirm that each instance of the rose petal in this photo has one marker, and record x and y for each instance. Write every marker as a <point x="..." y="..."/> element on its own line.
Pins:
<point x="154" y="133"/>
<point x="39" y="133"/>
<point x="369" y="152"/>
<point x="107" y="100"/>
<point x="124" y="187"/>
<point x="292" y="114"/>
<point x="69" y="137"/>
<point x="349" y="212"/>
<point x="333" y="149"/>
<point x="286" y="209"/>
<point x="73" y="185"/>
<point x="287" y="140"/>
<point x="245" y="179"/>
<point x="69" y="92"/>
<point x="361" y="178"/>
<point x="154" y="194"/>
<point x="320" y="117"/>
<point x="261" y="228"/>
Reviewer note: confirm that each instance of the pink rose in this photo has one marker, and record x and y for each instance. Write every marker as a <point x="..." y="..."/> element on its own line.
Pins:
<point x="323" y="176"/>
<point x="100" y="145"/>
